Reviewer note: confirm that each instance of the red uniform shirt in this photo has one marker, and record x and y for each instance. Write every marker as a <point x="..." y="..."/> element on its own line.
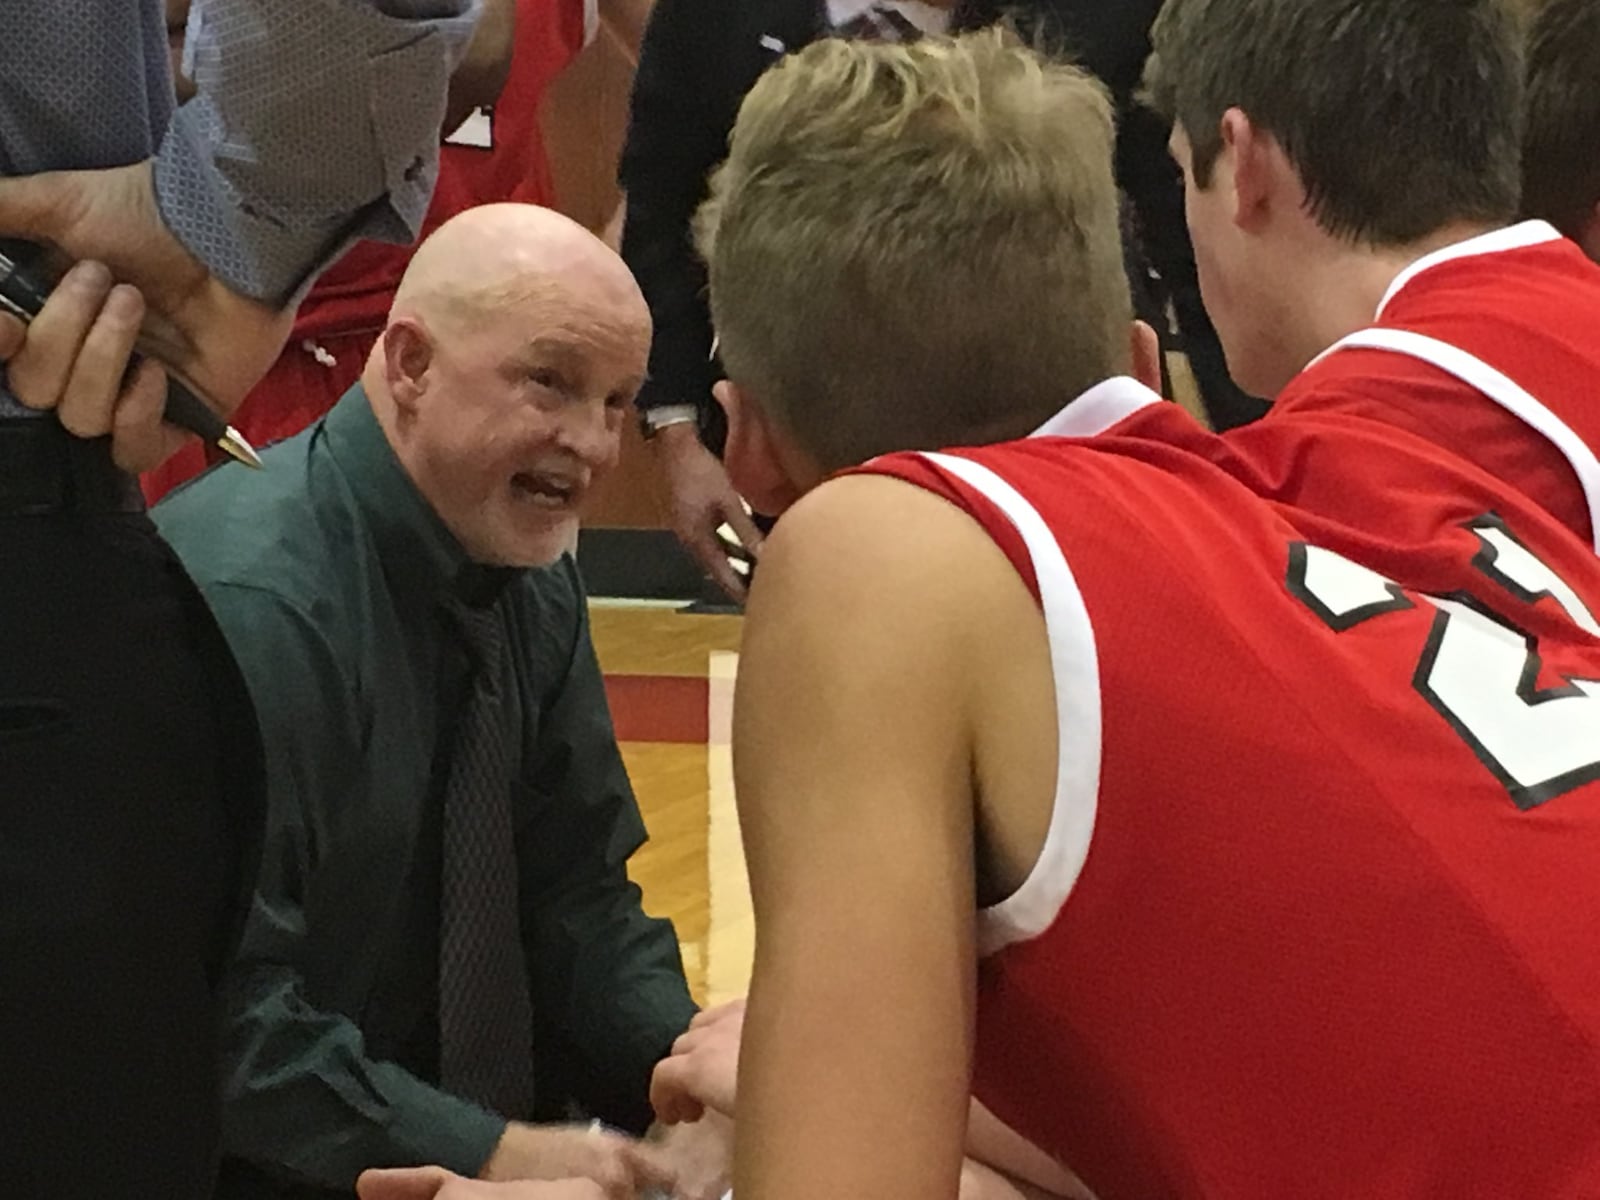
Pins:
<point x="1525" y="304"/>
<point x="1319" y="910"/>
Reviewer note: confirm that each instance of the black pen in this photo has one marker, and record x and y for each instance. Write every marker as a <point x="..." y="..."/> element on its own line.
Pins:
<point x="23" y="294"/>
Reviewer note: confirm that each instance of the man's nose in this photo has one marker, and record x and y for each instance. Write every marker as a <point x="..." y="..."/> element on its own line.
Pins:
<point x="592" y="431"/>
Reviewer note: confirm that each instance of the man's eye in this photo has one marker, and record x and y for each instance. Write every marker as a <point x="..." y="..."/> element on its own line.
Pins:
<point x="545" y="379"/>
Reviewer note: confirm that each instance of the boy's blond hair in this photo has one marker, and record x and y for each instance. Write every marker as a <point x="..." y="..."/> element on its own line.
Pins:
<point x="914" y="246"/>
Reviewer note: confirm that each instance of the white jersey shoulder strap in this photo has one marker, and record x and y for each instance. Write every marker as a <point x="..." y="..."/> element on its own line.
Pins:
<point x="1501" y="389"/>
<point x="1075" y="666"/>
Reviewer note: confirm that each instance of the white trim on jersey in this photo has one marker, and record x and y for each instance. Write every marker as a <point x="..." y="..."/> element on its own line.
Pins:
<point x="591" y="20"/>
<point x="1513" y="237"/>
<point x="1498" y="387"/>
<point x="1101" y="407"/>
<point x="1074" y="663"/>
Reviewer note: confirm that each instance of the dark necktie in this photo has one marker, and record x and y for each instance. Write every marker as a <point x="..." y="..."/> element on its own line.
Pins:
<point x="879" y="24"/>
<point x="485" y="1011"/>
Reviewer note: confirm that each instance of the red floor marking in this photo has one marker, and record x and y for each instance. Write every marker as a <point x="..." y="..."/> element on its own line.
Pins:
<point x="658" y="708"/>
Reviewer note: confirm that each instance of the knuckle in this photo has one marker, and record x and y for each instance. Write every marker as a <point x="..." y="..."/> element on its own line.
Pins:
<point x="29" y="388"/>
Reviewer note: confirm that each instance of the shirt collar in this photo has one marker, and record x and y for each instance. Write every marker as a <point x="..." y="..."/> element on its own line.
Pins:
<point x="1513" y="237"/>
<point x="419" y="555"/>
<point x="1098" y="409"/>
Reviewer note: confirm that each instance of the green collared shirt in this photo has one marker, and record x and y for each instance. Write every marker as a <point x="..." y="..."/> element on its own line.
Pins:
<point x="328" y="573"/>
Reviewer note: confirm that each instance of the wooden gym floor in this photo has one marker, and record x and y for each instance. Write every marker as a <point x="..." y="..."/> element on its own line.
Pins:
<point x="669" y="676"/>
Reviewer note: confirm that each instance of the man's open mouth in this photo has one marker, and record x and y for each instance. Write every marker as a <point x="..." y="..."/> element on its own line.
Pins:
<point x="551" y="490"/>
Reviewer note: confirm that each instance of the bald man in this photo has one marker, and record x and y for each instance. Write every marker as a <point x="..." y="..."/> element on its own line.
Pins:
<point x="444" y="949"/>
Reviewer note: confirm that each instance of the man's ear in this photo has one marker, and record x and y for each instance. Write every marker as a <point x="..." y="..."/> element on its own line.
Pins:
<point x="407" y="355"/>
<point x="751" y="455"/>
<point x="1145" y="355"/>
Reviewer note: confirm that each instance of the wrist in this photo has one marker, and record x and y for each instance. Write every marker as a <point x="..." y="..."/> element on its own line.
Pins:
<point x="671" y="420"/>
<point x="501" y="1164"/>
<point x="676" y="438"/>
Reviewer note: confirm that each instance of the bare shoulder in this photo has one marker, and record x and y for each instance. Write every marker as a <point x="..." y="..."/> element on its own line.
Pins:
<point x="873" y="537"/>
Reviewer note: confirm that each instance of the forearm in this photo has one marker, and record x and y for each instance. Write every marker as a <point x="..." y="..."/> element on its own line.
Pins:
<point x="607" y="979"/>
<point x="481" y="75"/>
<point x="656" y="246"/>
<point x="677" y="132"/>
<point x="305" y="1100"/>
<point x="264" y="197"/>
<point x="622" y="992"/>
<point x="626" y="20"/>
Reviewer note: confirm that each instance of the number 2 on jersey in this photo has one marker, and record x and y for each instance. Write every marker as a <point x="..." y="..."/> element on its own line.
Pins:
<point x="1480" y="674"/>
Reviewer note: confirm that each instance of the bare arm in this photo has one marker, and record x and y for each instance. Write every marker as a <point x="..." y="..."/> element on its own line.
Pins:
<point x="624" y="21"/>
<point x="1001" y="1164"/>
<point x="854" y="763"/>
<point x="482" y="75"/>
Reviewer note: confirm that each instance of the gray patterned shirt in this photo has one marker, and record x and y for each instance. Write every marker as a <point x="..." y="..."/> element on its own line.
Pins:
<point x="315" y="121"/>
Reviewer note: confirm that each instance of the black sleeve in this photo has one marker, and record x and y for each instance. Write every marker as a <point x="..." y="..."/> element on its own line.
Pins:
<point x="685" y="94"/>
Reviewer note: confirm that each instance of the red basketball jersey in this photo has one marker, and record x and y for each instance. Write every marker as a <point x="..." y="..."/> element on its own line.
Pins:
<point x="1489" y="348"/>
<point x="1318" y="914"/>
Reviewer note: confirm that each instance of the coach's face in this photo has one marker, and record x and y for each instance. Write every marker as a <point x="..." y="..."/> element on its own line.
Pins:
<point x="527" y="415"/>
<point x="516" y="343"/>
<point x="509" y="409"/>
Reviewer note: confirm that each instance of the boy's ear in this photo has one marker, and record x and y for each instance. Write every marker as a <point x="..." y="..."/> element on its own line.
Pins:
<point x="751" y="456"/>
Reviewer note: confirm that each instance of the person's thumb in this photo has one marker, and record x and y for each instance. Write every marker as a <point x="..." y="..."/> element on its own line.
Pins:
<point x="405" y="1183"/>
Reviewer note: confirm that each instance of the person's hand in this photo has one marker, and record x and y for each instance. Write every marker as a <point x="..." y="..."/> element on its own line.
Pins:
<point x="74" y="356"/>
<point x="435" y="1183"/>
<point x="702" y="499"/>
<point x="702" y="1072"/>
<point x="701" y="1154"/>
<point x="623" y="1168"/>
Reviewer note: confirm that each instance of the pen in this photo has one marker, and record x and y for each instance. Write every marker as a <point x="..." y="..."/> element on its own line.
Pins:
<point x="23" y="294"/>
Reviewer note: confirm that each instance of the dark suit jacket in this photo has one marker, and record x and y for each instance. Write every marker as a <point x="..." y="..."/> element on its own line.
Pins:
<point x="699" y="59"/>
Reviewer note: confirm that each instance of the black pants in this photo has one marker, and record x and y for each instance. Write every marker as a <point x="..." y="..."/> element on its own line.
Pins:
<point x="130" y="781"/>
